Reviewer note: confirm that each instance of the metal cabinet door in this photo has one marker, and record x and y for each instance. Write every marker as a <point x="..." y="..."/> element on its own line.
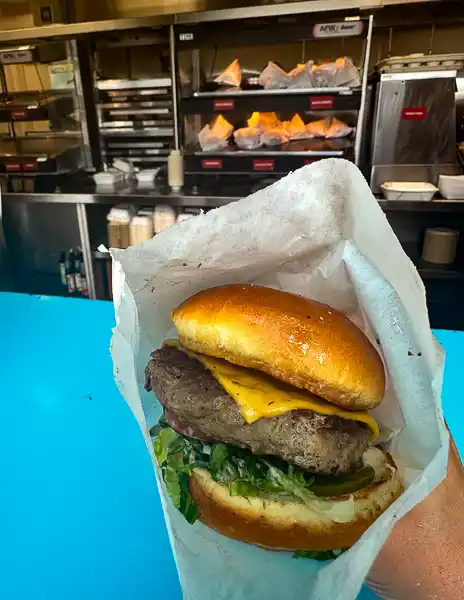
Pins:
<point x="415" y="122"/>
<point x="35" y="235"/>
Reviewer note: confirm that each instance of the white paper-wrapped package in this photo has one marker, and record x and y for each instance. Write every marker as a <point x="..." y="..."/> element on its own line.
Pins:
<point x="248" y="138"/>
<point x="273" y="77"/>
<point x="318" y="232"/>
<point x="302" y="76"/>
<point x="215" y="136"/>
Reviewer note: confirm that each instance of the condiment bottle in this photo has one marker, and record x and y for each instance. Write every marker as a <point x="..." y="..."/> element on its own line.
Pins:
<point x="175" y="170"/>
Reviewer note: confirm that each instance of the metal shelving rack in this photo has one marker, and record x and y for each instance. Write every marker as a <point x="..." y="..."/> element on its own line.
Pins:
<point x="138" y="116"/>
<point x="200" y="105"/>
<point x="136" y="120"/>
<point x="60" y="148"/>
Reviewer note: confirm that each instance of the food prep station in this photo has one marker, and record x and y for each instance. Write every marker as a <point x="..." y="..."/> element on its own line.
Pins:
<point x="95" y="117"/>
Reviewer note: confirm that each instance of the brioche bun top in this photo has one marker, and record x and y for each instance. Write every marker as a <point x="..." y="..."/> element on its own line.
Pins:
<point x="297" y="340"/>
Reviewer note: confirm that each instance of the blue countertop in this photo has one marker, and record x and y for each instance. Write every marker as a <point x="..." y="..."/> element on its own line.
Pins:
<point x="80" y="511"/>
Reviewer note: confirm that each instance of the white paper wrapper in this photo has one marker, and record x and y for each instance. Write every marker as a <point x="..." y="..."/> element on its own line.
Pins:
<point x="317" y="232"/>
<point x="273" y="77"/>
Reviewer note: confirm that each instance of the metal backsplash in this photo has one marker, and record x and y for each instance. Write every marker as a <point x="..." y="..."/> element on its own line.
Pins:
<point x="414" y="127"/>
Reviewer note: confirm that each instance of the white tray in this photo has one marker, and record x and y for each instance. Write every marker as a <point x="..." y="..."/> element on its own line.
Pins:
<point x="408" y="190"/>
<point x="417" y="62"/>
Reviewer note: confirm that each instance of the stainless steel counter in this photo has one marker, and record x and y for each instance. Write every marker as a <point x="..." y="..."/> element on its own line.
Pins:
<point x="77" y="200"/>
<point x="206" y="198"/>
<point x="81" y="189"/>
<point x="137" y="197"/>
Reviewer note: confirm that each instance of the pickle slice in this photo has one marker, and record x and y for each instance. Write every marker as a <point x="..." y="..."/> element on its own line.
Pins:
<point x="344" y="484"/>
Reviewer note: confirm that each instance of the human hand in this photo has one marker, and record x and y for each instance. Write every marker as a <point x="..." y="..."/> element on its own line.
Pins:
<point x="423" y="556"/>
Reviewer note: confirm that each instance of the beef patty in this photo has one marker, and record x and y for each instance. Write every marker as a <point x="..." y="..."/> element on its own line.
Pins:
<point x="196" y="405"/>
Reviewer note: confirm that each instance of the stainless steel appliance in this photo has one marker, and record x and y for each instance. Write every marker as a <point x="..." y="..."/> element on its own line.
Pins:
<point x="414" y="127"/>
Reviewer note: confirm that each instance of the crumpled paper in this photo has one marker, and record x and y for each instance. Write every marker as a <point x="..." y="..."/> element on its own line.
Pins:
<point x="248" y="138"/>
<point x="318" y="232"/>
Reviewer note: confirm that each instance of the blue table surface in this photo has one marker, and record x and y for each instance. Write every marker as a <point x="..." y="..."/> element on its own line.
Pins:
<point x="80" y="511"/>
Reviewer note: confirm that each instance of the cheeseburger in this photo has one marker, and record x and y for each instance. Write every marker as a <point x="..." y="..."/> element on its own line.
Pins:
<point x="266" y="435"/>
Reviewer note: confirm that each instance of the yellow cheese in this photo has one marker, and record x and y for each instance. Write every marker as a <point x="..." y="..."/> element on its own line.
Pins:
<point x="260" y="396"/>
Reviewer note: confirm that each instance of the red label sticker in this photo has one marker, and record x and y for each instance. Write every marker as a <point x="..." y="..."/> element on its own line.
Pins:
<point x="18" y="114"/>
<point x="224" y="104"/>
<point x="414" y="113"/>
<point x="309" y="161"/>
<point x="263" y="165"/>
<point x="321" y="102"/>
<point x="30" y="166"/>
<point x="13" y="167"/>
<point x="211" y="164"/>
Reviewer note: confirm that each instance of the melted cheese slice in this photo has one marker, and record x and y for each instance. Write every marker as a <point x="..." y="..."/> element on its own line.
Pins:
<point x="260" y="396"/>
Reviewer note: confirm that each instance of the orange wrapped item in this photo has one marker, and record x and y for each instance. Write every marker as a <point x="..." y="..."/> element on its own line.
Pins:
<point x="296" y="129"/>
<point x="215" y="136"/>
<point x="264" y="121"/>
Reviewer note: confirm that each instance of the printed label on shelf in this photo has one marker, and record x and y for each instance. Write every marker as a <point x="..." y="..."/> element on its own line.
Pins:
<point x="260" y="164"/>
<point x="30" y="166"/>
<point x="321" y="102"/>
<point x="210" y="163"/>
<point x="13" y="57"/>
<point x="226" y="104"/>
<point x="414" y="113"/>
<point x="13" y="167"/>
<point x="19" y="113"/>
<point x="333" y="30"/>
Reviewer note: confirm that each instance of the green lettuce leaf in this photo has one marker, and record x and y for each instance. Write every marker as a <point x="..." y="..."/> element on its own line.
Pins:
<point x="248" y="476"/>
<point x="163" y="441"/>
<point x="176" y="456"/>
<point x="294" y="484"/>
<point x="190" y="509"/>
<point x="217" y="459"/>
<point x="171" y="479"/>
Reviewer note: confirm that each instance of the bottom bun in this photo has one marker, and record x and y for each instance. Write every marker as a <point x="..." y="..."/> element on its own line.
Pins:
<point x="289" y="526"/>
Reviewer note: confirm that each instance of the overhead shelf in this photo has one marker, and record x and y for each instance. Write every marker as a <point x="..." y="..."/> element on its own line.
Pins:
<point x="71" y="30"/>
<point x="432" y="271"/>
<point x="440" y="205"/>
<point x="288" y="8"/>
<point x="46" y="155"/>
<point x="176" y="16"/>
<point x="315" y="99"/>
<point x="34" y="106"/>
